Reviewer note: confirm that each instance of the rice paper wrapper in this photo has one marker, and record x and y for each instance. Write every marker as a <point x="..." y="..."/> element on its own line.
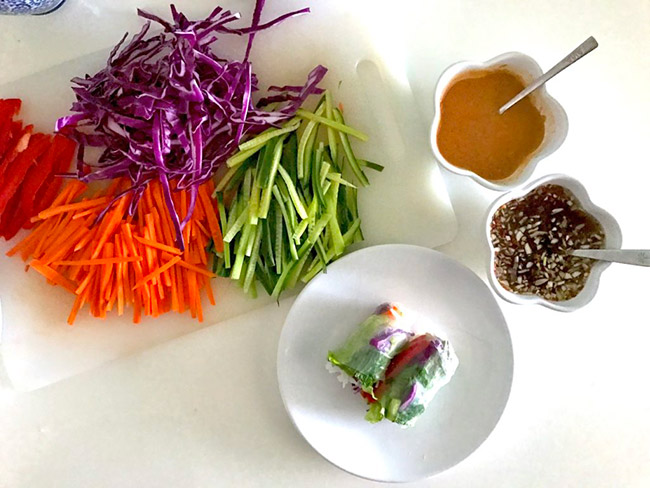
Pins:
<point x="407" y="395"/>
<point x="366" y="353"/>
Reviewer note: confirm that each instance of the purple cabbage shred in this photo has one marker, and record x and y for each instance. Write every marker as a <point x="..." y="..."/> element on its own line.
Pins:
<point x="167" y="107"/>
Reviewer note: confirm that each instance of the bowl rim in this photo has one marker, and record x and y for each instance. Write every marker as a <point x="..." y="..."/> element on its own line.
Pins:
<point x="613" y="240"/>
<point x="559" y="115"/>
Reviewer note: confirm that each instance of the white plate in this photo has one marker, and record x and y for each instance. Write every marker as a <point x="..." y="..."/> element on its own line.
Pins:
<point x="457" y="304"/>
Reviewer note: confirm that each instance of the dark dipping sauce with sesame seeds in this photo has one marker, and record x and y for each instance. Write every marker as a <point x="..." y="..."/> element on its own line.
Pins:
<point x="532" y="236"/>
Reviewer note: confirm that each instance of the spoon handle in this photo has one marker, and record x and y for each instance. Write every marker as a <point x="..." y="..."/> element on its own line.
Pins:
<point x="586" y="47"/>
<point x="637" y="257"/>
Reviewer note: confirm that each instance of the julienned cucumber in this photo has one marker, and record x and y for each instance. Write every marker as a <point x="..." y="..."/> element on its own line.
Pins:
<point x="291" y="198"/>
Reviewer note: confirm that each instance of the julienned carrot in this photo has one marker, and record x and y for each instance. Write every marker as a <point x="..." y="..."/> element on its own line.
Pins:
<point x="52" y="211"/>
<point x="157" y="245"/>
<point x="124" y="261"/>
<point x="53" y="275"/>
<point x="158" y="271"/>
<point x="98" y="261"/>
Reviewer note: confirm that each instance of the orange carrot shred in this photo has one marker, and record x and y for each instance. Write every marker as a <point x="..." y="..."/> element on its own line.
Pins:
<point x="70" y="207"/>
<point x="124" y="261"/>
<point x="157" y="271"/>
<point x="53" y="275"/>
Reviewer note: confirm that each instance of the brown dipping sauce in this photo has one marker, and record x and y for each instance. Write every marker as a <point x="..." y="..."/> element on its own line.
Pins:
<point x="472" y="135"/>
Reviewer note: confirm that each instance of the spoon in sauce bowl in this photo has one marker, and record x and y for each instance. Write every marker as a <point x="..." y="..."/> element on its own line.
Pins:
<point x="585" y="48"/>
<point x="636" y="257"/>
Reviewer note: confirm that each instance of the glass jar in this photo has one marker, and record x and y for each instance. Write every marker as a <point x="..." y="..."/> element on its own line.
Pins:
<point x="29" y="7"/>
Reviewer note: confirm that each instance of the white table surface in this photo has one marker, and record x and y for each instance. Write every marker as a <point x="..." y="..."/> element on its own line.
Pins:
<point x="204" y="410"/>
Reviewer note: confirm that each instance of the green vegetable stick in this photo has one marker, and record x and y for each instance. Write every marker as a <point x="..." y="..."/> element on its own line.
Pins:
<point x="337" y="177"/>
<point x="348" y="238"/>
<point x="252" y="262"/>
<point x="240" y="253"/>
<point x="321" y="253"/>
<point x="223" y="221"/>
<point x="349" y="154"/>
<point x="336" y="124"/>
<point x="268" y="241"/>
<point x="279" y="239"/>
<point x="297" y="203"/>
<point x="331" y="134"/>
<point x="324" y="171"/>
<point x="333" y="225"/>
<point x="308" y="156"/>
<point x="303" y="254"/>
<point x="264" y="277"/>
<point x="283" y="210"/>
<point x="304" y="139"/>
<point x="368" y="164"/>
<point x="268" y="191"/>
<point x="254" y="203"/>
<point x="242" y="156"/>
<point x="269" y="134"/>
<point x="251" y="241"/>
<point x="237" y="225"/>
<point x="300" y="230"/>
<point x="315" y="176"/>
<point x="318" y="228"/>
<point x="291" y="210"/>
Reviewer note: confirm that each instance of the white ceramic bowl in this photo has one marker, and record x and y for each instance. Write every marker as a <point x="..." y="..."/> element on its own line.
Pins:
<point x="613" y="240"/>
<point x="556" y="126"/>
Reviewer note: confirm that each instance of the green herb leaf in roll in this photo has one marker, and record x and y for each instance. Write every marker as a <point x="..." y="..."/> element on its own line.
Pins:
<point x="412" y="379"/>
<point x="370" y="348"/>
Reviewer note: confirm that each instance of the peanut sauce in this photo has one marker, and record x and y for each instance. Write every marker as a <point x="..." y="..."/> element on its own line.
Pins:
<point x="474" y="136"/>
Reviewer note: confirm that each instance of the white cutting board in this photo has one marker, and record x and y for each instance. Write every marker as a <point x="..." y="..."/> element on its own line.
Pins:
<point x="407" y="203"/>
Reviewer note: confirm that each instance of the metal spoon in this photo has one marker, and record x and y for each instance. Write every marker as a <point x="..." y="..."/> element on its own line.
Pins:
<point x="586" y="47"/>
<point x="637" y="257"/>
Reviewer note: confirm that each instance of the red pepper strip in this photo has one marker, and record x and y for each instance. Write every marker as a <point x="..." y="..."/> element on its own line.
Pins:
<point x="7" y="127"/>
<point x="10" y="106"/>
<point x="399" y="362"/>
<point x="369" y="398"/>
<point x="13" y="218"/>
<point x="38" y="175"/>
<point x="18" y="168"/>
<point x="7" y="221"/>
<point x="8" y="131"/>
<point x="48" y="193"/>
<point x="17" y="146"/>
<point x="403" y="359"/>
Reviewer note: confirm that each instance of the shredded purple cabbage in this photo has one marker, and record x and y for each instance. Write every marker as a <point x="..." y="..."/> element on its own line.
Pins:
<point x="167" y="107"/>
<point x="382" y="341"/>
<point x="409" y="397"/>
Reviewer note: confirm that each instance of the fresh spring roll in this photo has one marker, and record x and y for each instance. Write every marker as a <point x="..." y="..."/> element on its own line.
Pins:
<point x="412" y="379"/>
<point x="368" y="350"/>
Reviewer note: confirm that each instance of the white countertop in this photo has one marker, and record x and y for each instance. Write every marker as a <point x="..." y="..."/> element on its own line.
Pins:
<point x="204" y="410"/>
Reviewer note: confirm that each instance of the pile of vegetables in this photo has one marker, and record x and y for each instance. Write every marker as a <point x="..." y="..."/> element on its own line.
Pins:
<point x="141" y="225"/>
<point x="167" y="107"/>
<point x="294" y="207"/>
<point x="28" y="163"/>
<point x="124" y="261"/>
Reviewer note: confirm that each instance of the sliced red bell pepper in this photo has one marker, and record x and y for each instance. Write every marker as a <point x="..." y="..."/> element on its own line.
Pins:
<point x="399" y="362"/>
<point x="13" y="218"/>
<point x="8" y="130"/>
<point x="47" y="193"/>
<point x="10" y="106"/>
<point x="369" y="398"/>
<point x="39" y="174"/>
<point x="16" y="146"/>
<point x="7" y="220"/>
<point x="17" y="169"/>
